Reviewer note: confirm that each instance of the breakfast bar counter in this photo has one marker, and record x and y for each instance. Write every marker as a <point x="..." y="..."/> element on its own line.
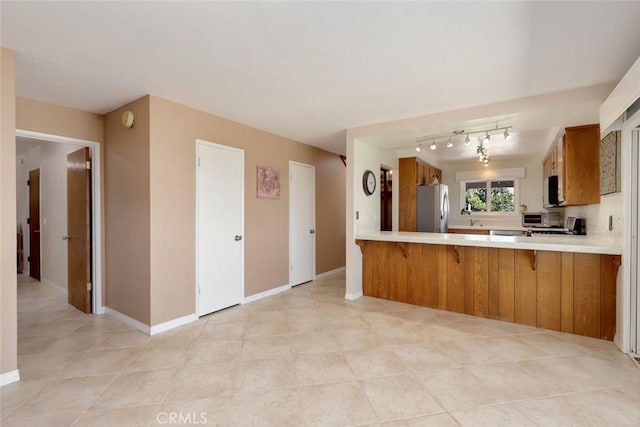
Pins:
<point x="562" y="283"/>
<point x="561" y="243"/>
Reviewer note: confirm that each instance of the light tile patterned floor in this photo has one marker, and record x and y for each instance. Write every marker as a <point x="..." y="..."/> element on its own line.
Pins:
<point x="309" y="357"/>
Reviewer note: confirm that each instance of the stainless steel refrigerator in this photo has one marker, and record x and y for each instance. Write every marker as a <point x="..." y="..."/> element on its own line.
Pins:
<point x="432" y="208"/>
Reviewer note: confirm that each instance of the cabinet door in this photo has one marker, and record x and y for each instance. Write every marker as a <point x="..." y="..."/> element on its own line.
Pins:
<point x="559" y="154"/>
<point x="419" y="173"/>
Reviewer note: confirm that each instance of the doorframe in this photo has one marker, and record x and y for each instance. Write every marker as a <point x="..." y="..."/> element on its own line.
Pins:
<point x="202" y="142"/>
<point x="628" y="340"/>
<point x="315" y="236"/>
<point x="97" y="306"/>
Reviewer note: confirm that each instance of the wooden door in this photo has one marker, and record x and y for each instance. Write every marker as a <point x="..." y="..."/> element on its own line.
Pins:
<point x="34" y="223"/>
<point x="219" y="227"/>
<point x="79" y="229"/>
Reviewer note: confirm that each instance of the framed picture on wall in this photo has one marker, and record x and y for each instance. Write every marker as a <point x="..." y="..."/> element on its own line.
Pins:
<point x="268" y="182"/>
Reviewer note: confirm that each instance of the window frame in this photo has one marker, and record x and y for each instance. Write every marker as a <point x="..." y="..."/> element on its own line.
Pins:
<point x="516" y="196"/>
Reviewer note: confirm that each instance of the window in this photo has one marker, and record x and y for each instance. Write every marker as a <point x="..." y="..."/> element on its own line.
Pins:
<point x="493" y="196"/>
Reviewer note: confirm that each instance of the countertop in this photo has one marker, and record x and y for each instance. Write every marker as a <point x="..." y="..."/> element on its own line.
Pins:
<point x="486" y="227"/>
<point x="583" y="244"/>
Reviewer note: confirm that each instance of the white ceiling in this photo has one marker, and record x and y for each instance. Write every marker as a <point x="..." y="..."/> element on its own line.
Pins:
<point x="310" y="70"/>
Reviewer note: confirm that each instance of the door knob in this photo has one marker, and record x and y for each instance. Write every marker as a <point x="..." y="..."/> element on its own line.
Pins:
<point x="312" y="231"/>
<point x="238" y="238"/>
<point x="65" y="237"/>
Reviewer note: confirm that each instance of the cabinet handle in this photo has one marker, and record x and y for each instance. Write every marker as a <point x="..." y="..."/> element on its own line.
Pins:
<point x="455" y="248"/>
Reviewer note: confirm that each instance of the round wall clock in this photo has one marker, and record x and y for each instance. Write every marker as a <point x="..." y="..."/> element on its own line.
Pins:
<point x="369" y="182"/>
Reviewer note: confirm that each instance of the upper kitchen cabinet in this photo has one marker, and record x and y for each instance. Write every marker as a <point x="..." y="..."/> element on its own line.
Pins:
<point x="575" y="159"/>
<point x="413" y="172"/>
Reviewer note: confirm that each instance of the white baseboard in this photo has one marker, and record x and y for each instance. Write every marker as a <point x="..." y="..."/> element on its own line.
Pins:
<point x="156" y="329"/>
<point x="9" y="377"/>
<point x="265" y="294"/>
<point x="128" y="320"/>
<point x="352" y="297"/>
<point x="330" y="273"/>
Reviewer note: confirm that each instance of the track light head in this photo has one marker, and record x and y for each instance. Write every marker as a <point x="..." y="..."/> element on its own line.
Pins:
<point x="486" y="138"/>
<point x="507" y="135"/>
<point x="418" y="147"/>
<point x="449" y="143"/>
<point x="467" y="140"/>
<point x="433" y="145"/>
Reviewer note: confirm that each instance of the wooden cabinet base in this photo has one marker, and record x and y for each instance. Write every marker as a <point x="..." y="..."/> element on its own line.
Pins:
<point x="562" y="291"/>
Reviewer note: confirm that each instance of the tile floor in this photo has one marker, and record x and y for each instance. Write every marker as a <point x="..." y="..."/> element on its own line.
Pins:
<point x="309" y="357"/>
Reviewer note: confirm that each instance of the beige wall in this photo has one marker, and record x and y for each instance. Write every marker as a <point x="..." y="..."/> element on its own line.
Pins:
<point x="38" y="116"/>
<point x="127" y="212"/>
<point x="174" y="130"/>
<point x="8" y="285"/>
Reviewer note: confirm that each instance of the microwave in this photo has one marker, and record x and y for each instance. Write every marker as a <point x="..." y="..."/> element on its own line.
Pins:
<point x="542" y="219"/>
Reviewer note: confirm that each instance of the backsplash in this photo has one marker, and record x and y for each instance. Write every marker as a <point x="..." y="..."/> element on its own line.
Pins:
<point x="598" y="217"/>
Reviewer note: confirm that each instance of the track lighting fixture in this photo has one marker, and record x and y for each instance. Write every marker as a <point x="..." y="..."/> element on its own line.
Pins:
<point x="484" y="136"/>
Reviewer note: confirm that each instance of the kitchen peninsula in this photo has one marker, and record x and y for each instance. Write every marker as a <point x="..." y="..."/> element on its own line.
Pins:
<point x="565" y="283"/>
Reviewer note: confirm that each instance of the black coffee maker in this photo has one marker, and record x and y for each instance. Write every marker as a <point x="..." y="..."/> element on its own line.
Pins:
<point x="576" y="225"/>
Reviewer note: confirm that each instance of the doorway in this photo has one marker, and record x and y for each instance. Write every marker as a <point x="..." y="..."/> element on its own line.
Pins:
<point x="33" y="222"/>
<point x="302" y="223"/>
<point x="55" y="228"/>
<point x="386" y="183"/>
<point x="219" y="227"/>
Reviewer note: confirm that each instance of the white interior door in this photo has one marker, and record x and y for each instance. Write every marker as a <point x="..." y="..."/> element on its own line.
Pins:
<point x="219" y="227"/>
<point x="302" y="223"/>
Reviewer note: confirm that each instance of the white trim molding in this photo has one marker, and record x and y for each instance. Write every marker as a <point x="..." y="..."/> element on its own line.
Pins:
<point x="156" y="329"/>
<point x="330" y="273"/>
<point x="352" y="297"/>
<point x="268" y="293"/>
<point x="9" y="377"/>
<point x="128" y="320"/>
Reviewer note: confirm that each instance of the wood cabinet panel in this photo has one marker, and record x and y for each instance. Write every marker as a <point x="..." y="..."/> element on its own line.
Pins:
<point x="609" y="265"/>
<point x="407" y="194"/>
<point x="413" y="171"/>
<point x="506" y="284"/>
<point x="548" y="289"/>
<point x="586" y="296"/>
<point x="494" y="283"/>
<point x="525" y="287"/>
<point x="455" y="270"/>
<point x="566" y="293"/>
<point x="431" y="276"/>
<point x="478" y="281"/>
<point x="582" y="153"/>
<point x="405" y="265"/>
<point x="577" y="151"/>
<point x="571" y="292"/>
